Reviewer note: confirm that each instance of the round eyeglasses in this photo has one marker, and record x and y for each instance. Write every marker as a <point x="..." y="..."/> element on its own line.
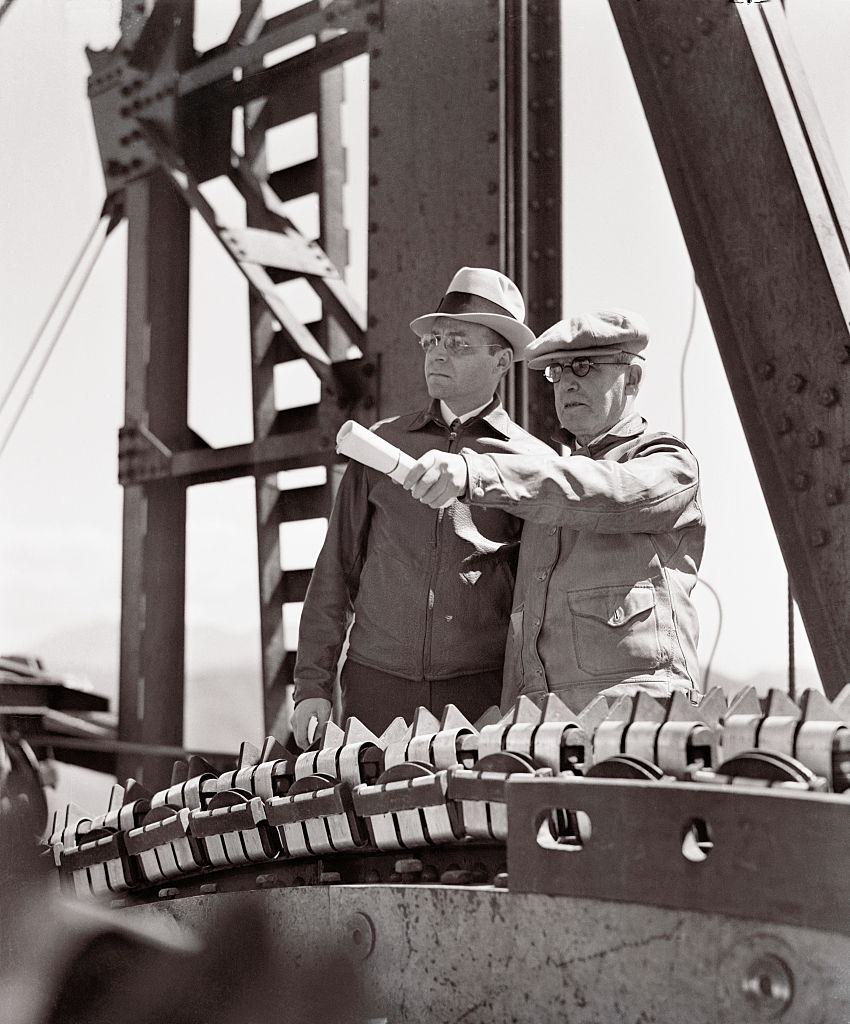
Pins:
<point x="453" y="343"/>
<point x="581" y="367"/>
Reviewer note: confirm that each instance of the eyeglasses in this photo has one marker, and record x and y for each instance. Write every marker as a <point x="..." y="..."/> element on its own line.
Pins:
<point x="581" y="367"/>
<point x="453" y="343"/>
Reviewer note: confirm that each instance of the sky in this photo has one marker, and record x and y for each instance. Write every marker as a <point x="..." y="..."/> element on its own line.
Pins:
<point x="60" y="503"/>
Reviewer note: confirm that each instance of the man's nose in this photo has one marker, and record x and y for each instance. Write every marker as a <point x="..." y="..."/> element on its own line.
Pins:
<point x="436" y="352"/>
<point x="568" y="381"/>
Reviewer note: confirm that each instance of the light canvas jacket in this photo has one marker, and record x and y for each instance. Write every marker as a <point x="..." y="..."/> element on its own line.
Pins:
<point x="612" y="542"/>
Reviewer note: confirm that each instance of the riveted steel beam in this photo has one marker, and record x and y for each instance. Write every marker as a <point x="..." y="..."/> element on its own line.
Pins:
<point x="744" y="192"/>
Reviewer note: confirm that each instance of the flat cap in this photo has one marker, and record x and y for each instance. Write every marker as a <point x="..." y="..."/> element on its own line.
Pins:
<point x="589" y="334"/>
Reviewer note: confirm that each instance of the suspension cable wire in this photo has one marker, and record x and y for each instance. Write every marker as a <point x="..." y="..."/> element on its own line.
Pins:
<point x="700" y="579"/>
<point x="50" y="312"/>
<point x="4" y="7"/>
<point x="107" y="220"/>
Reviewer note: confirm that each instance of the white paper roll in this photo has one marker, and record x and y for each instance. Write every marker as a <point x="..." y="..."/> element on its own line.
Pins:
<point x="360" y="444"/>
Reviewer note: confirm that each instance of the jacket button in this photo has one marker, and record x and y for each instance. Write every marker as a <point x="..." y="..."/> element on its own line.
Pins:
<point x="479" y="491"/>
<point x="537" y="622"/>
<point x="618" y="615"/>
<point x="553" y="531"/>
<point x="538" y="672"/>
<point x="541" y="576"/>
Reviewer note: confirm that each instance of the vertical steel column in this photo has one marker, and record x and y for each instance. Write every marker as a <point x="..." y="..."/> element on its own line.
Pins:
<point x="435" y="201"/>
<point x="153" y="569"/>
<point x="153" y="572"/>
<point x="532" y="186"/>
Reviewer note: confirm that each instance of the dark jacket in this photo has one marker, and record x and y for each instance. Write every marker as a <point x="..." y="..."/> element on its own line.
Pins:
<point x="426" y="604"/>
<point x="612" y="543"/>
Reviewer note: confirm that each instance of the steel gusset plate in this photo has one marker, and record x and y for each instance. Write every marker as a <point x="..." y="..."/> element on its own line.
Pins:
<point x="637" y="848"/>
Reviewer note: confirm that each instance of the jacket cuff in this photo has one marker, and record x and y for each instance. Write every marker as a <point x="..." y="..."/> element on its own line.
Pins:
<point x="307" y="691"/>
<point x="482" y="479"/>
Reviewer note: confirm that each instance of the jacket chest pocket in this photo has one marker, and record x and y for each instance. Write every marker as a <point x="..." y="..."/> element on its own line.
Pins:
<point x="615" y="630"/>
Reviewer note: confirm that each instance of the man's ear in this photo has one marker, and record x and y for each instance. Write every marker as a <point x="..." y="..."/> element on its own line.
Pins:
<point x="504" y="359"/>
<point x="634" y="378"/>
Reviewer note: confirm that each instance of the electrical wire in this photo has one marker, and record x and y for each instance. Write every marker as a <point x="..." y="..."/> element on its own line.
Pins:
<point x="700" y="579"/>
<point x="109" y="222"/>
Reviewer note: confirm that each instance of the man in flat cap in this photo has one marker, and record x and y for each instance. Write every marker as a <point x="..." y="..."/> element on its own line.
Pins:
<point x="614" y="528"/>
<point x="430" y="591"/>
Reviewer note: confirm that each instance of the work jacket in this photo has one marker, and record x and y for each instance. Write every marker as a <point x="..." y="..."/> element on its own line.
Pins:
<point x="427" y="603"/>
<point x="610" y="551"/>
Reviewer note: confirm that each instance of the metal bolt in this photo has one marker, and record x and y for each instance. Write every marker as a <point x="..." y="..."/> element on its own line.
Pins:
<point x="492" y="188"/>
<point x="375" y="84"/>
<point x="832" y="496"/>
<point x="534" y="57"/>
<point x="493" y="36"/>
<point x="373" y="320"/>
<point x="665" y="60"/>
<point x="766" y="370"/>
<point x="784" y="425"/>
<point x="501" y="880"/>
<point x="456" y="877"/>
<point x="814" y="438"/>
<point x="371" y="877"/>
<point x="361" y="931"/>
<point x="686" y="44"/>
<point x="374" y="131"/>
<point x="373" y="273"/>
<point x="208" y="888"/>
<point x="818" y="538"/>
<point x="768" y="986"/>
<point x="492" y="238"/>
<point x="534" y="255"/>
<point x="795" y="383"/>
<point x="373" y="227"/>
<point x="373" y="179"/>
<point x="827" y="396"/>
<point x="492" y="136"/>
<point x="493" y="84"/>
<point x="801" y="481"/>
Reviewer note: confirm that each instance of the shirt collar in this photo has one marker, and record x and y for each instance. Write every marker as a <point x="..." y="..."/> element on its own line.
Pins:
<point x="629" y="426"/>
<point x="449" y="416"/>
<point x="492" y="414"/>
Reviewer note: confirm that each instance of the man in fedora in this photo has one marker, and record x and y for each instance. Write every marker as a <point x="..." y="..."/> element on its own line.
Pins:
<point x="614" y="528"/>
<point x="429" y="590"/>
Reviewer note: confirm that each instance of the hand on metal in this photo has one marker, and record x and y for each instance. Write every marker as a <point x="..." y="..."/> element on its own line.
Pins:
<point x="313" y="709"/>
<point x="437" y="478"/>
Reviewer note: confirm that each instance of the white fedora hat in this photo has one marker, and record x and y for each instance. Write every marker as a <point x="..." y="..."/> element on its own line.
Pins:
<point x="478" y="295"/>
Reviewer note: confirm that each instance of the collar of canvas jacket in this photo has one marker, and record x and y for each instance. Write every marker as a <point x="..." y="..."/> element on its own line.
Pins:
<point x="492" y="414"/>
<point x="629" y="426"/>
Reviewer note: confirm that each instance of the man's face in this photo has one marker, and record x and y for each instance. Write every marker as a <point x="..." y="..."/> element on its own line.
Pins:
<point x="588" y="406"/>
<point x="469" y="375"/>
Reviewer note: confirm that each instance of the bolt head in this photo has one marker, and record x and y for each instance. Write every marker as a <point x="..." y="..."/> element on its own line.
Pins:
<point x="818" y="538"/>
<point x="814" y="438"/>
<point x="832" y="496"/>
<point x="795" y="383"/>
<point x="827" y="396"/>
<point x="766" y="370"/>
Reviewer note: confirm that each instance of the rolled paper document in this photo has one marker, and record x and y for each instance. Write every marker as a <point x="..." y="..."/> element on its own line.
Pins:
<point x="360" y="444"/>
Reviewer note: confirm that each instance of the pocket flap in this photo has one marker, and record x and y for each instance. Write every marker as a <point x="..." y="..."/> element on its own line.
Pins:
<point x="612" y="605"/>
